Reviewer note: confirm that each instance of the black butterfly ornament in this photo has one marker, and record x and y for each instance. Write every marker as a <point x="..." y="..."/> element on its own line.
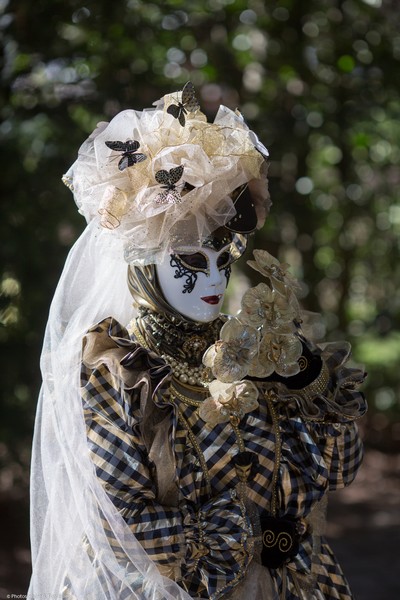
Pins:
<point x="168" y="180"/>
<point x="129" y="155"/>
<point x="189" y="104"/>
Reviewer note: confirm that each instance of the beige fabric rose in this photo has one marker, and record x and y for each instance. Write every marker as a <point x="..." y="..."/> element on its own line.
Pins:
<point x="228" y="400"/>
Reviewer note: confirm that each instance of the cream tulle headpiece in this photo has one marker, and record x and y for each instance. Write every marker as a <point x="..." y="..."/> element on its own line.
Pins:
<point x="165" y="177"/>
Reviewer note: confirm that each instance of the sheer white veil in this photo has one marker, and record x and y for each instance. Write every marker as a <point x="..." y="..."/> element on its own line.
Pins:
<point x="74" y="555"/>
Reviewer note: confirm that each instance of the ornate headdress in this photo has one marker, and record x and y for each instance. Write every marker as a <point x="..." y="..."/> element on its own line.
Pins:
<point x="165" y="177"/>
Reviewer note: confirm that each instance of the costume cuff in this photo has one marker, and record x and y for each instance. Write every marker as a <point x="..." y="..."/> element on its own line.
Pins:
<point x="219" y="542"/>
<point x="333" y="396"/>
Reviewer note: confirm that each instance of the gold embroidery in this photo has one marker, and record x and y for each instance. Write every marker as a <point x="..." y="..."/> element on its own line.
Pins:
<point x="303" y="363"/>
<point x="284" y="540"/>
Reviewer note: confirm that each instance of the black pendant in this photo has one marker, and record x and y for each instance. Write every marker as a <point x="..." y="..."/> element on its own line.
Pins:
<point x="280" y="541"/>
<point x="246" y="465"/>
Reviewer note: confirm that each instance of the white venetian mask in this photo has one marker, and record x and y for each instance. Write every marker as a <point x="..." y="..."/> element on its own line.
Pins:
<point x="194" y="280"/>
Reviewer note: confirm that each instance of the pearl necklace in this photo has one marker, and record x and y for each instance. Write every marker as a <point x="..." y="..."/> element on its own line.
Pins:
<point x="195" y="376"/>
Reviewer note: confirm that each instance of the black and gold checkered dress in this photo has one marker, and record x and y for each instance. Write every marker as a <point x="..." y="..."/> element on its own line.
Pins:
<point x="174" y="481"/>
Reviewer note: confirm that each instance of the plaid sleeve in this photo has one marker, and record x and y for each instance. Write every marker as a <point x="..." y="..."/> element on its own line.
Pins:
<point x="342" y="450"/>
<point x="124" y="469"/>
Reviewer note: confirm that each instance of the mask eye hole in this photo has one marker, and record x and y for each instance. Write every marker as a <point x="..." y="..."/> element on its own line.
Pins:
<point x="224" y="260"/>
<point x="194" y="262"/>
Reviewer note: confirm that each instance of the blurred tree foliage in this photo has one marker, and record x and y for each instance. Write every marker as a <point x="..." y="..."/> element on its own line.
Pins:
<point x="317" y="79"/>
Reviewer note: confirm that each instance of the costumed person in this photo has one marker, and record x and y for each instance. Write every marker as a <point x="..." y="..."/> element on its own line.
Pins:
<point x="179" y="452"/>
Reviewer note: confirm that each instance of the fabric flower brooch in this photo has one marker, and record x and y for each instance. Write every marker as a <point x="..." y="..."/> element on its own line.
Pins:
<point x="260" y="340"/>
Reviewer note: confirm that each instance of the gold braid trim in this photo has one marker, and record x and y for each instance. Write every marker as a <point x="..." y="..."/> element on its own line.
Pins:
<point x="186" y="399"/>
<point x="316" y="387"/>
<point x="235" y="426"/>
<point x="174" y="394"/>
<point x="135" y="330"/>
<point x="270" y="396"/>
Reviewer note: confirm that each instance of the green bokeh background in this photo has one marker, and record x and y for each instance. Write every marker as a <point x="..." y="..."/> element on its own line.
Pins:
<point x="319" y="82"/>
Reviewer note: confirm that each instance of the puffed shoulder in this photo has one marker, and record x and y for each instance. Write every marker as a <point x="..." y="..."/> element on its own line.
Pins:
<point x="108" y="344"/>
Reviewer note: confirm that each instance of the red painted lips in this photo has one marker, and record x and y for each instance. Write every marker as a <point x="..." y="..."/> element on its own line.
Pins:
<point x="212" y="299"/>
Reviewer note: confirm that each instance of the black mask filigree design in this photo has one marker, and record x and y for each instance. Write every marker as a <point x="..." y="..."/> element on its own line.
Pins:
<point x="182" y="271"/>
<point x="227" y="272"/>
